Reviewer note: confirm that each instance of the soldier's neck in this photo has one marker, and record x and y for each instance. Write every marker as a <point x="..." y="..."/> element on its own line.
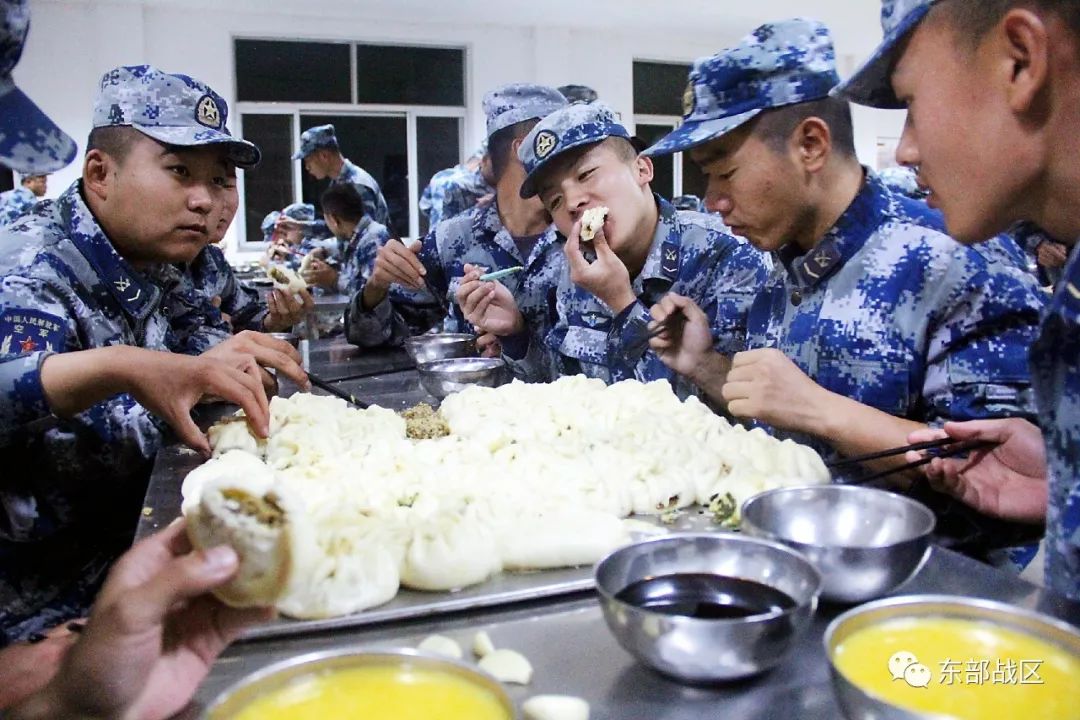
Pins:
<point x="836" y="189"/>
<point x="521" y="218"/>
<point x="336" y="164"/>
<point x="636" y="251"/>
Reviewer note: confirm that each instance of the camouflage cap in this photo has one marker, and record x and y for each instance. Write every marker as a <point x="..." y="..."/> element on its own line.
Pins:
<point x="518" y="102"/>
<point x="574" y="126"/>
<point x="300" y="212"/>
<point x="268" y="223"/>
<point x="872" y="83"/>
<point x="778" y="64"/>
<point x="30" y="142"/>
<point x="171" y="108"/>
<point x="312" y="139"/>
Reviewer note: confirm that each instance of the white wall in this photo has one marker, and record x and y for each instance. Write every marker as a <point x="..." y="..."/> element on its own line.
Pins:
<point x="72" y="42"/>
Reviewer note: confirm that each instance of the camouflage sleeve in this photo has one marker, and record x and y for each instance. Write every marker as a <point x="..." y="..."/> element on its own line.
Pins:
<point x="243" y="304"/>
<point x="529" y="358"/>
<point x="359" y="260"/>
<point x="977" y="363"/>
<point x="734" y="283"/>
<point x="195" y="325"/>
<point x="401" y="313"/>
<point x="120" y="420"/>
<point x="22" y="392"/>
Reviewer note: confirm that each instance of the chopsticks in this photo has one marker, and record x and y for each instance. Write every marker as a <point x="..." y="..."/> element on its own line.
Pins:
<point x="336" y="391"/>
<point x="948" y="448"/>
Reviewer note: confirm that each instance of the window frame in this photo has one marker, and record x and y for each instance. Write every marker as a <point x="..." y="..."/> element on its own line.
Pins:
<point x="677" y="158"/>
<point x="297" y="109"/>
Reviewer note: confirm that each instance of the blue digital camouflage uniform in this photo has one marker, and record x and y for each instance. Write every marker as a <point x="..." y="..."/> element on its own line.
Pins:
<point x="452" y="191"/>
<point x="873" y="314"/>
<point x="75" y="487"/>
<point x="1055" y="367"/>
<point x="30" y="143"/>
<point x="691" y="254"/>
<point x="14" y="203"/>
<point x="73" y="504"/>
<point x="196" y="323"/>
<point x="358" y="255"/>
<point x="475" y="237"/>
<point x="901" y="180"/>
<point x="323" y="136"/>
<point x="1055" y="357"/>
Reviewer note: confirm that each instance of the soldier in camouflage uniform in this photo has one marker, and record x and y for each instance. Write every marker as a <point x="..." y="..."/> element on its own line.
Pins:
<point x="297" y="233"/>
<point x="506" y="233"/>
<point x="359" y="239"/>
<point x="322" y="158"/>
<point x="233" y="306"/>
<point x="855" y="340"/>
<point x="581" y="157"/>
<point x="14" y="203"/>
<point x="71" y="507"/>
<point x="927" y="62"/>
<point x="454" y="190"/>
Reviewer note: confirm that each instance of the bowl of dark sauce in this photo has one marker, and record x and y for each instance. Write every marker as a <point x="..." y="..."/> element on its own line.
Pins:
<point x="706" y="608"/>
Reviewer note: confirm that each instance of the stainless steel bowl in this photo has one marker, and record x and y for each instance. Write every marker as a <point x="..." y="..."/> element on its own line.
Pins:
<point x="441" y="346"/>
<point x="273" y="677"/>
<point x="443" y="377"/>
<point x="858" y="704"/>
<point x="700" y="650"/>
<point x="865" y="542"/>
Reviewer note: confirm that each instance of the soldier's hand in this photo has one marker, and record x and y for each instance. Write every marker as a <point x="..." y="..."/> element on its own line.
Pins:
<point x="766" y="385"/>
<point x="169" y="385"/>
<point x="25" y="668"/>
<point x="320" y="274"/>
<point x="398" y="263"/>
<point x="1051" y="254"/>
<point x="488" y="345"/>
<point x="606" y="277"/>
<point x="1006" y="481"/>
<point x="685" y="345"/>
<point x="152" y="637"/>
<point x="490" y="306"/>
<point x="268" y="352"/>
<point x="286" y="309"/>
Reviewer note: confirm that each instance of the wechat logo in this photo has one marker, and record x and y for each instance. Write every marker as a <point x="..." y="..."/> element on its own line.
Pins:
<point x="905" y="666"/>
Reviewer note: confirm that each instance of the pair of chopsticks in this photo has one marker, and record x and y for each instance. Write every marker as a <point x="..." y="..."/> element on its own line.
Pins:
<point x="640" y="345"/>
<point x="943" y="448"/>
<point x="336" y="391"/>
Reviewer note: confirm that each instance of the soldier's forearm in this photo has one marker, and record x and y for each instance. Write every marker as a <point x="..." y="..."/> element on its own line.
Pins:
<point x="75" y="381"/>
<point x="856" y="429"/>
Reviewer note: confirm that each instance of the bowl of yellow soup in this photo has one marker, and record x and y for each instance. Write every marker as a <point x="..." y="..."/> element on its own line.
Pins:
<point x="401" y="684"/>
<point x="939" y="657"/>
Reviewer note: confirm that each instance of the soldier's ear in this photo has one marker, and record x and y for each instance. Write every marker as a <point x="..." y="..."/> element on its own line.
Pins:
<point x="645" y="170"/>
<point x="812" y="144"/>
<point x="97" y="169"/>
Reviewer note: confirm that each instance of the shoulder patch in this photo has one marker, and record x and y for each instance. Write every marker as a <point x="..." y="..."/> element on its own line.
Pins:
<point x="25" y="331"/>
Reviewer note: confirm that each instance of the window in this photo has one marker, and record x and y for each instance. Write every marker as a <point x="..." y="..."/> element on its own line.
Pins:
<point x="281" y="71"/>
<point x="7" y="179"/>
<point x="392" y="114"/>
<point x="409" y="75"/>
<point x="658" y="92"/>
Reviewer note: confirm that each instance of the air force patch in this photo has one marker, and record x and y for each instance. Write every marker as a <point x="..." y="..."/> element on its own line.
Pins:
<point x="207" y="113"/>
<point x="689" y="100"/>
<point x="26" y="331"/>
<point x="544" y="143"/>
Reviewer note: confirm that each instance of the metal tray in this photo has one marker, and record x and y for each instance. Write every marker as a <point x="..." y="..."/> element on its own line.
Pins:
<point x="502" y="589"/>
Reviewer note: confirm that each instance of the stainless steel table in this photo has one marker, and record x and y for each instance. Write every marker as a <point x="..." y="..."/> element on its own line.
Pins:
<point x="573" y="653"/>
